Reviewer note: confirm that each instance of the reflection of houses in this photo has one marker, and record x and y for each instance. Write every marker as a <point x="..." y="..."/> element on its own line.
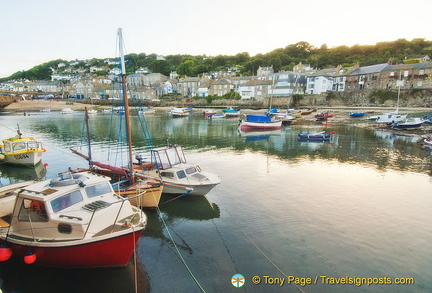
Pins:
<point x="366" y="77"/>
<point x="413" y="75"/>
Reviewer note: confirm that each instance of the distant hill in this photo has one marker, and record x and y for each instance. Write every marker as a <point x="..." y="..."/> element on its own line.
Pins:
<point x="281" y="59"/>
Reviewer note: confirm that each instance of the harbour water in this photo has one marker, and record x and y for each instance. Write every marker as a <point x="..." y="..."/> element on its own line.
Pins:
<point x="357" y="208"/>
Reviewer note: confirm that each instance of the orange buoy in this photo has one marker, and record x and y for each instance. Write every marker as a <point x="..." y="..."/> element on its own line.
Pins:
<point x="30" y="258"/>
<point x="5" y="253"/>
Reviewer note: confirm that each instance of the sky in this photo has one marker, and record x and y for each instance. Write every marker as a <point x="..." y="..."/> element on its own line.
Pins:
<point x="34" y="32"/>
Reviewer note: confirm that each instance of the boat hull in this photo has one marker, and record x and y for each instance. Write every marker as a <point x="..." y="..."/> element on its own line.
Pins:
<point x="30" y="158"/>
<point x="149" y="198"/>
<point x="109" y="252"/>
<point x="250" y="126"/>
<point x="199" y="190"/>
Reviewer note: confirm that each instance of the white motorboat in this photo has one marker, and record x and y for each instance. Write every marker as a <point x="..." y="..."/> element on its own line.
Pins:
<point x="169" y="163"/>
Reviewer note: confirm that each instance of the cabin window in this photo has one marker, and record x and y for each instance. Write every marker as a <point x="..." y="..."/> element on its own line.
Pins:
<point x="167" y="175"/>
<point x="19" y="146"/>
<point x="65" y="201"/>
<point x="97" y="190"/>
<point x="190" y="170"/>
<point x="32" y="210"/>
<point x="7" y="147"/>
<point x="181" y="174"/>
<point x="33" y="145"/>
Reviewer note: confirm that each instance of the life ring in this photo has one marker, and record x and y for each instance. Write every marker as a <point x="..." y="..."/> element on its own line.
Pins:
<point x="74" y="179"/>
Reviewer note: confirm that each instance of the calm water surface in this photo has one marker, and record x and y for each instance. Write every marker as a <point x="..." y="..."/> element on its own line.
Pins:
<point x="359" y="206"/>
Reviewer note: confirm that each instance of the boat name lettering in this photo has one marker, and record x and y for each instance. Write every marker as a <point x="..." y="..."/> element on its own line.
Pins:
<point x="21" y="156"/>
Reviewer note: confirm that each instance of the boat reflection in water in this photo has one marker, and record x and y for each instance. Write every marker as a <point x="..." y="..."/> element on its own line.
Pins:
<point x="17" y="173"/>
<point x="259" y="135"/>
<point x="131" y="278"/>
<point x="195" y="208"/>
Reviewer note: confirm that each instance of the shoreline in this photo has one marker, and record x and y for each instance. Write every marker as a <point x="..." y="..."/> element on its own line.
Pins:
<point x="58" y="105"/>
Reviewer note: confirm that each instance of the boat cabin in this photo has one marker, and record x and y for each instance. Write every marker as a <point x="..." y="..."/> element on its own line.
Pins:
<point x="13" y="145"/>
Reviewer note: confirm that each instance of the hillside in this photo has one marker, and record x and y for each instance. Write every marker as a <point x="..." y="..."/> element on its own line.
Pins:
<point x="395" y="52"/>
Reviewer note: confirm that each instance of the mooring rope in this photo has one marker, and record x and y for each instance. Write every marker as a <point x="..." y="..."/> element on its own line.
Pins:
<point x="254" y="244"/>
<point x="178" y="252"/>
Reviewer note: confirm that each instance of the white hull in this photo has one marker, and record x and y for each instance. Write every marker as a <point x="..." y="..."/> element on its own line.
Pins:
<point x="29" y="158"/>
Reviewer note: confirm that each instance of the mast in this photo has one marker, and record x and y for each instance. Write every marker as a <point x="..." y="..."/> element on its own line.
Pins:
<point x="399" y="86"/>
<point x="88" y="138"/>
<point x="126" y="103"/>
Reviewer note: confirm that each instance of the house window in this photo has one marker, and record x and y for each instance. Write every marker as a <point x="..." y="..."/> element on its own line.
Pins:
<point x="421" y="72"/>
<point x="392" y="73"/>
<point x="406" y="73"/>
<point x="419" y="84"/>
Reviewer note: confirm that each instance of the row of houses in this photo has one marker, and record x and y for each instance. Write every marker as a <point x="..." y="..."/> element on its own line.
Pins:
<point x="302" y="80"/>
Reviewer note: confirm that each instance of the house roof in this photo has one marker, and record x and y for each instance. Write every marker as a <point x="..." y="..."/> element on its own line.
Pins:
<point x="369" y="69"/>
<point x="408" y="66"/>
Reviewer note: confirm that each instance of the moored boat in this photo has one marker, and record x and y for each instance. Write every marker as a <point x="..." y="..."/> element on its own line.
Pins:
<point x="180" y="112"/>
<point x="260" y="122"/>
<point x="21" y="150"/>
<point x="73" y="221"/>
<point x="169" y="163"/>
<point x="315" y="136"/>
<point x="356" y="114"/>
<point x="231" y="112"/>
<point x="408" y="123"/>
<point x="209" y="112"/>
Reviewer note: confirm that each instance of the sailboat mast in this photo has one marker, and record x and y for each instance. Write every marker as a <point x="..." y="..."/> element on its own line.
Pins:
<point x="88" y="138"/>
<point x="126" y="103"/>
<point x="399" y="86"/>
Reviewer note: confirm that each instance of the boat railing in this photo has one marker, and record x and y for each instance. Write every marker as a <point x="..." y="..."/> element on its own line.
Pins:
<point x="121" y="202"/>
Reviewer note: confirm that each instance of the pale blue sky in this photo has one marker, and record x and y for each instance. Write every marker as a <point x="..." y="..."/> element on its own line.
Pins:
<point x="34" y="32"/>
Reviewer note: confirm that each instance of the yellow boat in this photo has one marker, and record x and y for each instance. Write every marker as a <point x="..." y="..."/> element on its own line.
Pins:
<point x="21" y="150"/>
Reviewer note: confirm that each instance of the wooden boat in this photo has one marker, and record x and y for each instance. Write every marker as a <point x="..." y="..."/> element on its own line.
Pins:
<point x="21" y="150"/>
<point x="356" y="114"/>
<point x="260" y="122"/>
<point x="316" y="136"/>
<point x="72" y="221"/>
<point x="178" y="176"/>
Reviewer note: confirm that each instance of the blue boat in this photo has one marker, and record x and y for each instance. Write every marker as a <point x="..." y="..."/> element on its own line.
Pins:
<point x="356" y="114"/>
<point x="258" y="118"/>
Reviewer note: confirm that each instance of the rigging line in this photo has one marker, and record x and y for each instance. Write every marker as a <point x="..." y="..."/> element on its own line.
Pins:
<point x="256" y="246"/>
<point x="178" y="252"/>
